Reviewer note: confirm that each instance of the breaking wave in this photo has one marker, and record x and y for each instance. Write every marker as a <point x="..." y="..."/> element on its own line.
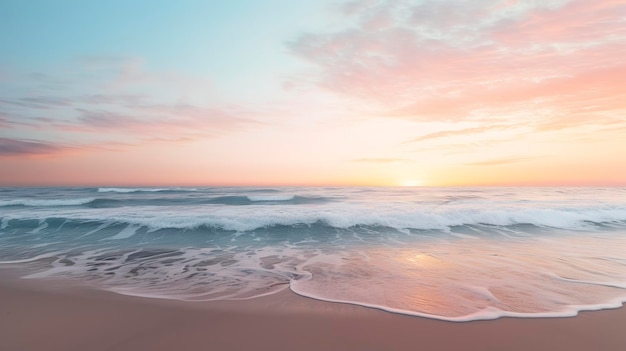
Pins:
<point x="46" y="203"/>
<point x="136" y="190"/>
<point x="341" y="217"/>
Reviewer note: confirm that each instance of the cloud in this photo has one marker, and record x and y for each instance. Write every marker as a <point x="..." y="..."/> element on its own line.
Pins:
<point x="127" y="100"/>
<point x="498" y="162"/>
<point x="471" y="61"/>
<point x="113" y="74"/>
<point x="15" y="147"/>
<point x="119" y="98"/>
<point x="39" y="102"/>
<point x="5" y="123"/>
<point x="460" y="132"/>
<point x="156" y="120"/>
<point x="13" y="121"/>
<point x="104" y="120"/>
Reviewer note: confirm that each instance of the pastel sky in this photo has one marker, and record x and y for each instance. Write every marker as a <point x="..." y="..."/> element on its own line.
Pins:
<point x="313" y="92"/>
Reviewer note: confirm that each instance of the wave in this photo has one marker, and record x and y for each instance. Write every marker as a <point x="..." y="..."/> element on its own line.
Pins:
<point x="271" y="197"/>
<point x="267" y="200"/>
<point x="250" y="218"/>
<point x="46" y="203"/>
<point x="105" y="203"/>
<point x="219" y="200"/>
<point x="265" y="190"/>
<point x="136" y="190"/>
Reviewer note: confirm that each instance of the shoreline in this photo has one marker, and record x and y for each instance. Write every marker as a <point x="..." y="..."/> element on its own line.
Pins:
<point x="38" y="315"/>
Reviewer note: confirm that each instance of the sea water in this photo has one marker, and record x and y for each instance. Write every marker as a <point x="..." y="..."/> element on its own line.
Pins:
<point x="455" y="254"/>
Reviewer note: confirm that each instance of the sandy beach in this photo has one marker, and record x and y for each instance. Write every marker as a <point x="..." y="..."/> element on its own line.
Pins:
<point x="40" y="315"/>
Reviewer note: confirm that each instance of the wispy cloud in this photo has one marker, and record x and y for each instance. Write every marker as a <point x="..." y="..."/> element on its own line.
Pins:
<point x="38" y="102"/>
<point x="461" y="132"/>
<point x="4" y="122"/>
<point x="15" y="147"/>
<point x="117" y="96"/>
<point x="498" y="162"/>
<point x="156" y="120"/>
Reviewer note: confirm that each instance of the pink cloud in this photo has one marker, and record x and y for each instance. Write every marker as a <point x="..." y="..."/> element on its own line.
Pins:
<point x="185" y="122"/>
<point x="121" y="99"/>
<point x="461" y="132"/>
<point x="502" y="161"/>
<point x="5" y="123"/>
<point x="24" y="148"/>
<point x="452" y="60"/>
<point x="576" y="22"/>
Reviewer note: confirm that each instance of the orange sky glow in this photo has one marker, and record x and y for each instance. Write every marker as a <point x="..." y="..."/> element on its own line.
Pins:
<point x="375" y="93"/>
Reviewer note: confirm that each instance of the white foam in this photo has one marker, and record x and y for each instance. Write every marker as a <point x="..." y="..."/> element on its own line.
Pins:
<point x="100" y="227"/>
<point x="125" y="233"/>
<point x="232" y="275"/>
<point x="339" y="215"/>
<point x="489" y="313"/>
<point x="46" y="202"/>
<point x="270" y="197"/>
<point x="134" y="190"/>
<point x="31" y="259"/>
<point x="42" y="225"/>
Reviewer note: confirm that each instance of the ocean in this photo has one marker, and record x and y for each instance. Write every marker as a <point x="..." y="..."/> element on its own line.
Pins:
<point x="456" y="254"/>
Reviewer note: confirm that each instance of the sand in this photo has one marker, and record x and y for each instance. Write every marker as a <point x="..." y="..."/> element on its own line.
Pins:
<point x="37" y="315"/>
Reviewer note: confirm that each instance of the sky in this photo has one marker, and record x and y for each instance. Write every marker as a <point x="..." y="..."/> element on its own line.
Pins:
<point x="313" y="92"/>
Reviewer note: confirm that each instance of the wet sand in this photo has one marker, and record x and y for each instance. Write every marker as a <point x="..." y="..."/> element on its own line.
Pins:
<point x="36" y="315"/>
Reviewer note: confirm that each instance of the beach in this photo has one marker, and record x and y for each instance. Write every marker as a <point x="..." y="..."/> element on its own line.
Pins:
<point x="39" y="315"/>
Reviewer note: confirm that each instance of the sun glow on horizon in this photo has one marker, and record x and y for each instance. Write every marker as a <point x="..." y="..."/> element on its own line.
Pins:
<point x="412" y="183"/>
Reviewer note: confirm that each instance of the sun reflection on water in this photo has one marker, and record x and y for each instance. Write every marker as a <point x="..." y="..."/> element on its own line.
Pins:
<point x="464" y="277"/>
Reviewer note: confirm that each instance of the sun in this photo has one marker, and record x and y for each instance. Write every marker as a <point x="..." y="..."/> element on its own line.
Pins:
<point x="412" y="182"/>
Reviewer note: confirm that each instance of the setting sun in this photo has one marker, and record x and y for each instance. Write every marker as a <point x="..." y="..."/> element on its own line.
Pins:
<point x="412" y="182"/>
